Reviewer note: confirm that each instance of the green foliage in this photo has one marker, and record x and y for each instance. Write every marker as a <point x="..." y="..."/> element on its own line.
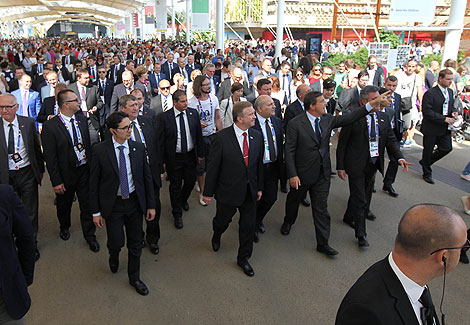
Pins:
<point x="360" y="58"/>
<point x="389" y="36"/>
<point x="460" y="56"/>
<point x="334" y="59"/>
<point x="431" y="57"/>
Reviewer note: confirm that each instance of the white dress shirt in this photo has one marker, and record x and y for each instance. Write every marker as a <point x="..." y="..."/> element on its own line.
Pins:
<point x="22" y="148"/>
<point x="128" y="165"/>
<point x="169" y="100"/>
<point x="445" y="106"/>
<point x="239" y="134"/>
<point x="262" y="123"/>
<point x="189" y="139"/>
<point x="139" y="128"/>
<point x="70" y="125"/>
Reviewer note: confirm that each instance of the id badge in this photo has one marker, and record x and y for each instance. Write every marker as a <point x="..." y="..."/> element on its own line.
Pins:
<point x="80" y="147"/>
<point x="16" y="158"/>
<point x="374" y="148"/>
<point x="80" y="153"/>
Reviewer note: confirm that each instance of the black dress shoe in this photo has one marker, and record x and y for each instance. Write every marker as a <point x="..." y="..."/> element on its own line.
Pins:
<point x="64" y="234"/>
<point x="154" y="248"/>
<point x="185" y="206"/>
<point x="256" y="237"/>
<point x="261" y="228"/>
<point x="327" y="250"/>
<point x="179" y="222"/>
<point x="140" y="287"/>
<point x="350" y="223"/>
<point x="428" y="179"/>
<point x="370" y="216"/>
<point x="305" y="202"/>
<point x="362" y="241"/>
<point x="247" y="269"/>
<point x="284" y="189"/>
<point x="36" y="255"/>
<point x="113" y="264"/>
<point x="215" y="242"/>
<point x="389" y="190"/>
<point x="285" y="228"/>
<point x="463" y="257"/>
<point x="94" y="246"/>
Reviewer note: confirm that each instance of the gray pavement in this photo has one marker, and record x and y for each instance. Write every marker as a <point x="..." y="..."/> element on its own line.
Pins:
<point x="190" y="284"/>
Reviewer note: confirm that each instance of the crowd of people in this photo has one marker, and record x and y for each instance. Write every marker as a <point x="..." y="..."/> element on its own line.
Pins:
<point x="111" y="119"/>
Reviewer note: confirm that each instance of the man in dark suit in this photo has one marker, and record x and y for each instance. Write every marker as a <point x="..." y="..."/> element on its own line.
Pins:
<point x="297" y="107"/>
<point x="181" y="68"/>
<point x="394" y="113"/>
<point x="142" y="110"/>
<point x="144" y="130"/>
<point x="38" y="68"/>
<point x="155" y="77"/>
<point x="264" y="87"/>
<point x="19" y="56"/>
<point x="209" y="71"/>
<point x="350" y="98"/>
<point x="236" y="76"/>
<point x="122" y="89"/>
<point x="438" y="113"/>
<point x="121" y="191"/>
<point x="329" y="86"/>
<point x="68" y="59"/>
<point x="180" y="135"/>
<point x="376" y="72"/>
<point x="21" y="159"/>
<point x="168" y="66"/>
<point x="430" y="76"/>
<point x="91" y="104"/>
<point x="105" y="89"/>
<point x="270" y="127"/>
<point x="50" y="108"/>
<point x="360" y="154"/>
<point x="17" y="256"/>
<point x="163" y="101"/>
<point x="115" y="72"/>
<point x="63" y="74"/>
<point x="236" y="150"/>
<point x="192" y="65"/>
<point x="394" y="290"/>
<point x="285" y="77"/>
<point x="67" y="151"/>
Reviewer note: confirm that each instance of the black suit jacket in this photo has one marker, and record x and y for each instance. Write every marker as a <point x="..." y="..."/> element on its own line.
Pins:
<point x="294" y="109"/>
<point x="72" y="59"/>
<point x="92" y="99"/>
<point x="394" y="114"/>
<point x="149" y="129"/>
<point x="304" y="155"/>
<point x="64" y="71"/>
<point x="279" y="133"/>
<point x="167" y="134"/>
<point x="169" y="72"/>
<point x="16" y="255"/>
<point x="58" y="149"/>
<point x="377" y="297"/>
<point x="104" y="181"/>
<point x="433" y="119"/>
<point x="349" y="98"/>
<point x="47" y="109"/>
<point x="352" y="153"/>
<point x="118" y="75"/>
<point x="107" y="94"/>
<point x="226" y="160"/>
<point x="33" y="148"/>
<point x="224" y="89"/>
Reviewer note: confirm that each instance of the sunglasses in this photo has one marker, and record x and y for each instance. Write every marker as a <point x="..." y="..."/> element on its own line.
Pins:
<point x="162" y="88"/>
<point x="464" y="248"/>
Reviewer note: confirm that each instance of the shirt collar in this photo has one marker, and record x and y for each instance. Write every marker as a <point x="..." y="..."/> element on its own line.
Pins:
<point x="443" y="90"/>
<point x="117" y="144"/>
<point x="14" y="122"/>
<point x="65" y="118"/>
<point x="312" y="118"/>
<point x="412" y="289"/>
<point x="261" y="119"/>
<point x="178" y="112"/>
<point x="238" y="132"/>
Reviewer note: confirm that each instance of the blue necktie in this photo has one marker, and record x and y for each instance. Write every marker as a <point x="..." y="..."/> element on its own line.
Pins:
<point x="123" y="173"/>
<point x="184" y="140"/>
<point x="317" y="129"/>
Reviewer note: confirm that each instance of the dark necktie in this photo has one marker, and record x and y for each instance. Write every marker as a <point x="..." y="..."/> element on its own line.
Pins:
<point x="428" y="313"/>
<point x="11" y="140"/>
<point x="123" y="173"/>
<point x="373" y="135"/>
<point x="272" y="149"/>
<point x="137" y="136"/>
<point x="74" y="132"/>
<point x="317" y="129"/>
<point x="103" y="87"/>
<point x="246" y="150"/>
<point x="184" y="140"/>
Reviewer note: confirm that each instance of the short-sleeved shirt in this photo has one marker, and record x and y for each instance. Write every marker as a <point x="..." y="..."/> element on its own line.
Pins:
<point x="206" y="112"/>
<point x="405" y="85"/>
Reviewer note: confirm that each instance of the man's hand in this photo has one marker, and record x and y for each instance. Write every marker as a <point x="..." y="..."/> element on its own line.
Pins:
<point x="294" y="182"/>
<point x="204" y="124"/>
<point x="98" y="221"/>
<point x="259" y="195"/>
<point x="342" y="174"/>
<point x="59" y="189"/>
<point x="206" y="199"/>
<point x="450" y="120"/>
<point x="50" y="116"/>
<point x="93" y="110"/>
<point x="383" y="100"/>
<point x="403" y="163"/>
<point x="150" y="214"/>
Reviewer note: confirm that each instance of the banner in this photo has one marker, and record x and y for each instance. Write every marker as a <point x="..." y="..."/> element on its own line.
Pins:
<point x="160" y="21"/>
<point x="200" y="15"/>
<point x="135" y="20"/>
<point x="149" y="15"/>
<point x="412" y="11"/>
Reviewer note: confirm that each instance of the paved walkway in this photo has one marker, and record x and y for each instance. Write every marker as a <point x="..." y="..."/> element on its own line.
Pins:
<point x="190" y="284"/>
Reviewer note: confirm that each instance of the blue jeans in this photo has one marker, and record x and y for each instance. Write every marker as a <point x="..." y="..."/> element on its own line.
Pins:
<point x="466" y="171"/>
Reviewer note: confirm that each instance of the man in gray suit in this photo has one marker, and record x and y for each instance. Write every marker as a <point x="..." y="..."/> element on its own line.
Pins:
<point x="163" y="101"/>
<point x="122" y="89"/>
<point x="224" y="89"/>
<point x="49" y="89"/>
<point x="90" y="102"/>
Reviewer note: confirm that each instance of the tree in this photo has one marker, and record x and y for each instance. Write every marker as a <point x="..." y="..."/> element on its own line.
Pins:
<point x="389" y="36"/>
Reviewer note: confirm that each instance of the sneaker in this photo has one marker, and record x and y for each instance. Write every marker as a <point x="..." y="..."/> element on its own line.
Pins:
<point x="402" y="143"/>
<point x="465" y="177"/>
<point x="201" y="201"/>
<point x="198" y="188"/>
<point x="407" y="144"/>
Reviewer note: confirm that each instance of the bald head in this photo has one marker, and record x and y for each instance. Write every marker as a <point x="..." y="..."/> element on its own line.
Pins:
<point x="264" y="106"/>
<point x="301" y="91"/>
<point x="425" y="228"/>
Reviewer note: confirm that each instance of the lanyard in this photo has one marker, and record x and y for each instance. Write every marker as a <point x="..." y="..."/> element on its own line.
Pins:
<point x="141" y="134"/>
<point x="204" y="115"/>
<point x="18" y="144"/>
<point x="70" y="131"/>
<point x="376" y="127"/>
<point x="266" y="143"/>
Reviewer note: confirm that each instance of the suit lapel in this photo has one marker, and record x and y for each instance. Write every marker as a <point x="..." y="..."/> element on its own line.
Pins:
<point x="112" y="156"/>
<point x="3" y="143"/>
<point x="132" y="157"/>
<point x="308" y="127"/>
<point x="234" y="141"/>
<point x="62" y="129"/>
<point x="24" y="134"/>
<point x="173" y="122"/>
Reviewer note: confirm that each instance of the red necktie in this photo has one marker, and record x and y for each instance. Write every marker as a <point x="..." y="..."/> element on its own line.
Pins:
<point x="246" y="151"/>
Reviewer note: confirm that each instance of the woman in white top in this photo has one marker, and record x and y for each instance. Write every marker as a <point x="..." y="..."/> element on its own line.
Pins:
<point x="189" y="89"/>
<point x="277" y="92"/>
<point x="226" y="105"/>
<point x="298" y="78"/>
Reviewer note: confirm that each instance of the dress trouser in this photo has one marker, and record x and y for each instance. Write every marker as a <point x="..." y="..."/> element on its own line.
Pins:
<point x="25" y="185"/>
<point x="431" y="155"/>
<point x="182" y="175"/>
<point x="246" y="224"/>
<point x="64" y="203"/>
<point x="6" y="319"/>
<point x="153" y="227"/>
<point x="360" y="195"/>
<point x="269" y="197"/>
<point x="126" y="213"/>
<point x="392" y="168"/>
<point x="319" y="192"/>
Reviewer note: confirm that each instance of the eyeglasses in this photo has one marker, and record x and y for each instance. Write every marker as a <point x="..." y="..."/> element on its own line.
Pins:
<point x="7" y="107"/>
<point x="125" y="128"/>
<point x="101" y="71"/>
<point x="72" y="100"/>
<point x="316" y="69"/>
<point x="299" y="74"/>
<point x="163" y="88"/>
<point x="464" y="248"/>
